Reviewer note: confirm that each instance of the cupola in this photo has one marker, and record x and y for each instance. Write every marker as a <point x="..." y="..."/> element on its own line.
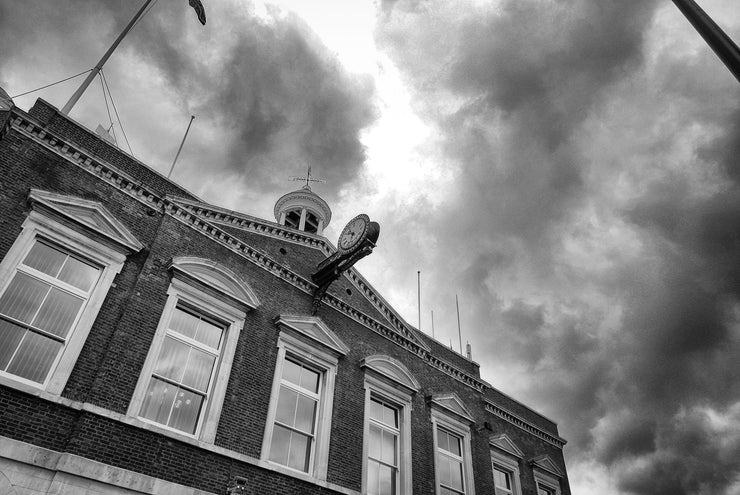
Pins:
<point x="303" y="210"/>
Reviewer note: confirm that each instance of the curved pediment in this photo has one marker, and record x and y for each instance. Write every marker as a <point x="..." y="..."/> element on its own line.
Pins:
<point x="392" y="370"/>
<point x="216" y="277"/>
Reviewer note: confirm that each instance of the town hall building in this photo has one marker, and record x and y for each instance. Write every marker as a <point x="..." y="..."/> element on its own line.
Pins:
<point x="152" y="343"/>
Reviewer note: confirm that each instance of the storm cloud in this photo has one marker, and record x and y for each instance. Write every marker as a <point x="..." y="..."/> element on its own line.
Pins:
<point x="274" y="96"/>
<point x="605" y="269"/>
<point x="573" y="178"/>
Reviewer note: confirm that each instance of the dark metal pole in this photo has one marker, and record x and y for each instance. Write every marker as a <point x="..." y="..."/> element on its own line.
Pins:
<point x="192" y="117"/>
<point x="418" y="294"/>
<point x="76" y="96"/>
<point x="717" y="39"/>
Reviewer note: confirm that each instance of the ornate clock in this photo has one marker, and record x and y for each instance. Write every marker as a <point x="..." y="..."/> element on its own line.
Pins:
<point x="354" y="233"/>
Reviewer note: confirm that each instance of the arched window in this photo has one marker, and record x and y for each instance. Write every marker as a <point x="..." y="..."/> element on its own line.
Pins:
<point x="183" y="383"/>
<point x="389" y="388"/>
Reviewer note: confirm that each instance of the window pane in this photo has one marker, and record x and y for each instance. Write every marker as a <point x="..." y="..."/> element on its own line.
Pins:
<point x="387" y="480"/>
<point x="445" y="468"/>
<point x="199" y="369"/>
<point x="45" y="259"/>
<point x="299" y="451"/>
<point x="10" y="337"/>
<point x="79" y="274"/>
<point x="304" y="418"/>
<point x="501" y="478"/>
<point x="209" y="334"/>
<point x="443" y="441"/>
<point x="184" y="323"/>
<point x="158" y="401"/>
<point x="185" y="411"/>
<point x="58" y="312"/>
<point x="373" y="481"/>
<point x="172" y="359"/>
<point x="448" y="442"/>
<point x="292" y="372"/>
<point x="34" y="358"/>
<point x="374" y="442"/>
<point x="23" y="297"/>
<point x="376" y="410"/>
<point x="456" y="476"/>
<point x="310" y="380"/>
<point x="389" y="448"/>
<point x="286" y="407"/>
<point x="279" y="445"/>
<point x="390" y="416"/>
<point x="543" y="490"/>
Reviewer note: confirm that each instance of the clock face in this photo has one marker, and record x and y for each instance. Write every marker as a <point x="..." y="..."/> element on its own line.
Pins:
<point x="354" y="233"/>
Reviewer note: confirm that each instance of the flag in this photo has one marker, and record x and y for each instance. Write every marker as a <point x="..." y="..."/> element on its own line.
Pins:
<point x="198" y="6"/>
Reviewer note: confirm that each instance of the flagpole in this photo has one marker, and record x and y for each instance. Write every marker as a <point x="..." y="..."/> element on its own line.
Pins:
<point x="717" y="39"/>
<point x="192" y="117"/>
<point x="77" y="94"/>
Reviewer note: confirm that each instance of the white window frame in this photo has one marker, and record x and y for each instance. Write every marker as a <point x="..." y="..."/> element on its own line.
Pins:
<point x="448" y="422"/>
<point x="325" y="362"/>
<point x="38" y="226"/>
<point x="383" y="389"/>
<point x="546" y="480"/>
<point x="509" y="464"/>
<point x="181" y="292"/>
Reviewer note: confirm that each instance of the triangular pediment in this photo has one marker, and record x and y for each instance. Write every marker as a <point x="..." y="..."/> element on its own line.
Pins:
<point x="392" y="370"/>
<point x="88" y="214"/>
<point x="503" y="442"/>
<point x="314" y="329"/>
<point x="453" y="404"/>
<point x="546" y="463"/>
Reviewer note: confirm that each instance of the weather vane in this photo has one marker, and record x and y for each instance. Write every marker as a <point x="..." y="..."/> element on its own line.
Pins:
<point x="308" y="179"/>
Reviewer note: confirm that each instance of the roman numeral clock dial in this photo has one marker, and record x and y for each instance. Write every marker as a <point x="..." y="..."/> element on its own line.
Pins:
<point x="354" y="233"/>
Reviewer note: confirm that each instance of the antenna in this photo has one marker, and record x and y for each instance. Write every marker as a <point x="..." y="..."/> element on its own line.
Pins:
<point x="432" y="323"/>
<point x="459" y="334"/>
<point x="192" y="117"/>
<point x="418" y="294"/>
<point x="308" y="179"/>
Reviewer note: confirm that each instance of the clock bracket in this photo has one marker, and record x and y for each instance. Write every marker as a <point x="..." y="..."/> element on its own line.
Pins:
<point x="331" y="268"/>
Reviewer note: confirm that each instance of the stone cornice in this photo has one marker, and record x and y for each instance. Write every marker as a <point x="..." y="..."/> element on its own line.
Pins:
<point x="87" y="161"/>
<point x="525" y="425"/>
<point x="256" y="225"/>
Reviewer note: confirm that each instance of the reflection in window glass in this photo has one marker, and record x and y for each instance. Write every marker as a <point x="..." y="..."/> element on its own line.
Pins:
<point x="183" y="373"/>
<point x="295" y="416"/>
<point x="39" y="309"/>
<point x="383" y="445"/>
<point x="450" y="462"/>
<point x="502" y="480"/>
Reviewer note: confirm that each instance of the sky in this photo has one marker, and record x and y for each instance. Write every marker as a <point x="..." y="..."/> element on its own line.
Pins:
<point x="568" y="168"/>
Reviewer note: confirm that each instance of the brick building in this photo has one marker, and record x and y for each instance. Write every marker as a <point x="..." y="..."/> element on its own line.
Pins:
<point x="154" y="343"/>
